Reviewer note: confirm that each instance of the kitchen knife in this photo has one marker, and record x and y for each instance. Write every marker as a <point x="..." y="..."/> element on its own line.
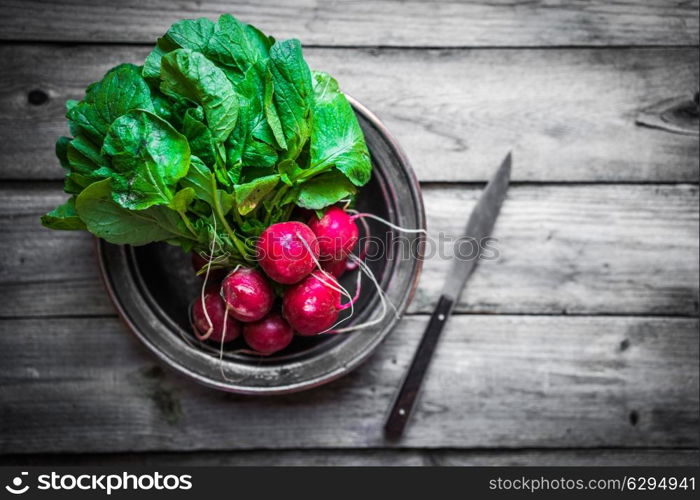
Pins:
<point x="480" y="225"/>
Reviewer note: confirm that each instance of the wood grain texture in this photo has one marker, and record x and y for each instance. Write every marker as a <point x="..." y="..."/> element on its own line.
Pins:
<point x="86" y="385"/>
<point x="568" y="115"/>
<point x="370" y="457"/>
<point x="367" y="22"/>
<point x="72" y="379"/>
<point x="577" y="249"/>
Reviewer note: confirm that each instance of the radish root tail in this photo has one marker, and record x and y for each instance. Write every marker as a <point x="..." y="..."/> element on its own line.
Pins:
<point x="204" y="286"/>
<point x="328" y="280"/>
<point x="363" y="215"/>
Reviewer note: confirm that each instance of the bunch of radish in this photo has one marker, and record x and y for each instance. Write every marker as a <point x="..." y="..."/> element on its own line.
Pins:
<point x="305" y="260"/>
<point x="222" y="136"/>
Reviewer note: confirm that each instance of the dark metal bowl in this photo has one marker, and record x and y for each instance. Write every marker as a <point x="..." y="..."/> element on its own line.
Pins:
<point x="152" y="287"/>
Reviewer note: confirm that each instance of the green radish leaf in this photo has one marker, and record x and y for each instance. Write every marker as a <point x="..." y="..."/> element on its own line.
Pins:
<point x="293" y="93"/>
<point x="326" y="88"/>
<point x="70" y="104"/>
<point x="71" y="185"/>
<point x="289" y="170"/>
<point x="253" y="227"/>
<point x="201" y="141"/>
<point x="271" y="115"/>
<point x="234" y="173"/>
<point x="250" y="194"/>
<point x="337" y="139"/>
<point x="182" y="200"/>
<point x="62" y="151"/>
<point x="225" y="200"/>
<point x="165" y="107"/>
<point x="238" y="46"/>
<point x="181" y="203"/>
<point x="188" y="74"/>
<point x="178" y="109"/>
<point x="251" y="143"/>
<point x="199" y="179"/>
<point x="324" y="190"/>
<point x="190" y="34"/>
<point x="186" y="34"/>
<point x="202" y="181"/>
<point x="84" y="162"/>
<point x="85" y="158"/>
<point x="148" y="157"/>
<point x="151" y="66"/>
<point x="252" y="173"/>
<point x="121" y="90"/>
<point x="63" y="217"/>
<point x="290" y="196"/>
<point x="107" y="220"/>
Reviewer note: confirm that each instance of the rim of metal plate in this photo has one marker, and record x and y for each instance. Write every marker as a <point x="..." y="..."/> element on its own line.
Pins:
<point x="318" y="366"/>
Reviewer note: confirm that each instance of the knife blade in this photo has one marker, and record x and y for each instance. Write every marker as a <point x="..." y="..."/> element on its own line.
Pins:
<point x="480" y="225"/>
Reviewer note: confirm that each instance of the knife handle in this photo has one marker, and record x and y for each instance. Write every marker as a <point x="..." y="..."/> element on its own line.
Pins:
<point x="408" y="393"/>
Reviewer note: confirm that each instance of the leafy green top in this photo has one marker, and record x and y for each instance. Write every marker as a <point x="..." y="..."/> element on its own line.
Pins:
<point x="221" y="132"/>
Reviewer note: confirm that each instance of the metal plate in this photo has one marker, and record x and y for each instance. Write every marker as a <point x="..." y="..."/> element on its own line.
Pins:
<point x="152" y="287"/>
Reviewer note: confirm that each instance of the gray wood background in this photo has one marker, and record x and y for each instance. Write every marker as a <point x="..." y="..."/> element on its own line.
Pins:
<point x="579" y="345"/>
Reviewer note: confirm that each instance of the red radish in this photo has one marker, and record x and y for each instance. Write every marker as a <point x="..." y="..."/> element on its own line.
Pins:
<point x="269" y="335"/>
<point x="336" y="232"/>
<point x="212" y="328"/>
<point x="335" y="266"/>
<point x="312" y="306"/>
<point x="248" y="295"/>
<point x="287" y="251"/>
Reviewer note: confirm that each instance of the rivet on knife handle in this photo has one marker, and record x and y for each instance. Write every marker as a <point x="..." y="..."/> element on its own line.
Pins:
<point x="407" y="395"/>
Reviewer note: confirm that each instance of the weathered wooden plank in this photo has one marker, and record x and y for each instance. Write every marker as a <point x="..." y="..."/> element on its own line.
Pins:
<point x="569" y="115"/>
<point x="86" y="385"/>
<point x="388" y="22"/>
<point x="45" y="272"/>
<point x="371" y="457"/>
<point x="577" y="249"/>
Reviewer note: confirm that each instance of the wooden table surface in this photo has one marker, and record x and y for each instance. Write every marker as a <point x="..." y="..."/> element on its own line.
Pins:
<point x="579" y="345"/>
